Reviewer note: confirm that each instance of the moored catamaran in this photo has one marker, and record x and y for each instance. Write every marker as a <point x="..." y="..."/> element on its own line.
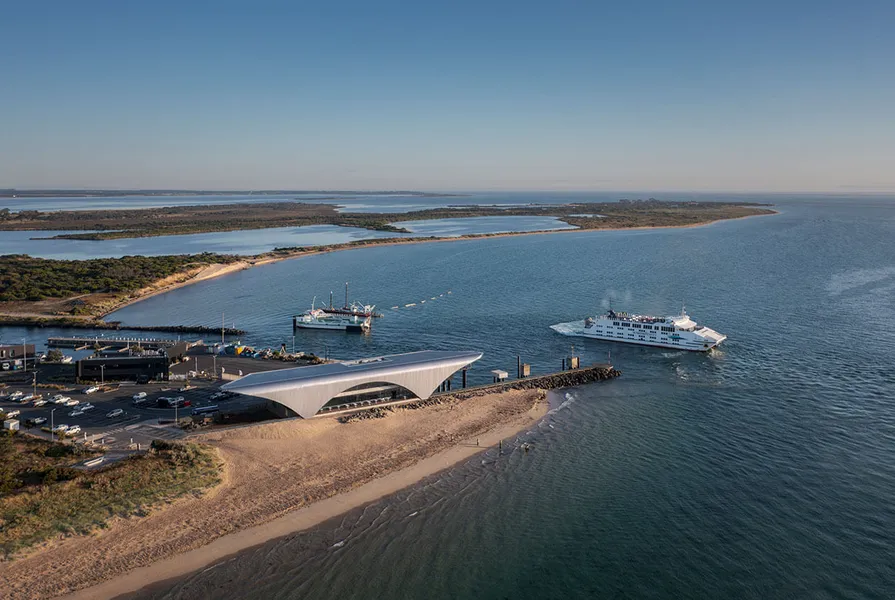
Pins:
<point x="353" y="309"/>
<point x="353" y="317"/>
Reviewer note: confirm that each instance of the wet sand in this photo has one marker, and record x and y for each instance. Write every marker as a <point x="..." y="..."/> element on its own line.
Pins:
<point x="279" y="478"/>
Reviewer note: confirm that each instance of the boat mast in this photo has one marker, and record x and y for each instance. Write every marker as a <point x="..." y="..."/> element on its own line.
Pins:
<point x="346" y="294"/>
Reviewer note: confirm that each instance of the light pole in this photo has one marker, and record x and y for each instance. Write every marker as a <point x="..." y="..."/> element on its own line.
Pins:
<point x="52" y="431"/>
<point x="24" y="355"/>
<point x="293" y="343"/>
<point x="214" y="366"/>
<point x="102" y="375"/>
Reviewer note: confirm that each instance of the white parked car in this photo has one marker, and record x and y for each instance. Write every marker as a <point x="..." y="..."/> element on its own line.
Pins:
<point x="115" y="413"/>
<point x="61" y="428"/>
<point x="72" y="402"/>
<point x="39" y="420"/>
<point x="91" y="389"/>
<point x="40" y="402"/>
<point x="16" y="395"/>
<point x="74" y="429"/>
<point x="60" y="399"/>
<point x="140" y="396"/>
<point x="13" y="413"/>
<point x="87" y="406"/>
<point x="76" y="412"/>
<point x="27" y="398"/>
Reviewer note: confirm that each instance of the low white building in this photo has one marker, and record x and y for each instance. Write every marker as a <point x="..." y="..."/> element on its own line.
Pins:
<point x="305" y="390"/>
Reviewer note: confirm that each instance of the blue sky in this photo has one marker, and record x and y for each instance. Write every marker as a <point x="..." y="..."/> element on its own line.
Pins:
<point x="465" y="95"/>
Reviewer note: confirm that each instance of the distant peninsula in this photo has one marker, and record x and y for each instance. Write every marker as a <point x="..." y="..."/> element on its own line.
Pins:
<point x="107" y="224"/>
<point x="81" y="193"/>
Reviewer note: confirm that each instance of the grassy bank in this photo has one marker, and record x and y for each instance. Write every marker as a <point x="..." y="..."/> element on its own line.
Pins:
<point x="25" y="278"/>
<point x="43" y="497"/>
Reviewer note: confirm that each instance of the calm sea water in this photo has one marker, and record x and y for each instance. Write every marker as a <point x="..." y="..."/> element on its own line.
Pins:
<point x="764" y="470"/>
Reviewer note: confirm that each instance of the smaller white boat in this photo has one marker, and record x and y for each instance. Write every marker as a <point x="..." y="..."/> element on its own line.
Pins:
<point x="318" y="318"/>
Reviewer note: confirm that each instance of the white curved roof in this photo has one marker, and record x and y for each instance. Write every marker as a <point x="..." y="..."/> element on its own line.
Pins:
<point x="306" y="389"/>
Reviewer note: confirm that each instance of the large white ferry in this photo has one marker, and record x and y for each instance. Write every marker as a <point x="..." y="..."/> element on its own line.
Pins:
<point x="667" y="332"/>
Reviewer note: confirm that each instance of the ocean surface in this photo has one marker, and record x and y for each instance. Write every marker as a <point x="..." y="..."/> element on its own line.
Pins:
<point x="764" y="470"/>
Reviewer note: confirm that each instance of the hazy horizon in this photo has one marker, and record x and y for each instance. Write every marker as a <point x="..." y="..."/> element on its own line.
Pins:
<point x="766" y="97"/>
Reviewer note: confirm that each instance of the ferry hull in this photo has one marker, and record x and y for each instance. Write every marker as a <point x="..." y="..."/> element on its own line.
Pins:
<point x="705" y="347"/>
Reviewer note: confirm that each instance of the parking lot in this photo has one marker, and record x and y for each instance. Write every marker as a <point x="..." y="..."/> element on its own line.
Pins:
<point x="136" y="423"/>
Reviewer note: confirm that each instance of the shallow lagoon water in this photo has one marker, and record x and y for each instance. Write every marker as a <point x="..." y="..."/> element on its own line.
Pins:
<point x="255" y="241"/>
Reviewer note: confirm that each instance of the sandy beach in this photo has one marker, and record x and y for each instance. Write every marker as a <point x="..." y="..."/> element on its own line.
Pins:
<point x="279" y="477"/>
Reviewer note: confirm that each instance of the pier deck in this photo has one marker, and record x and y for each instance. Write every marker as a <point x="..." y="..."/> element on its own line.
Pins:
<point x="107" y="342"/>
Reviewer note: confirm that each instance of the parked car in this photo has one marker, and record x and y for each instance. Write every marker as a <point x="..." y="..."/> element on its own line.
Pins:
<point x="218" y="395"/>
<point x="87" y="406"/>
<point x="27" y="398"/>
<point x="140" y="396"/>
<point x="115" y="413"/>
<point x="39" y="402"/>
<point x="59" y="399"/>
<point x="91" y="389"/>
<point x="73" y="430"/>
<point x="61" y="428"/>
<point x="76" y="412"/>
<point x="15" y="395"/>
<point x="72" y="402"/>
<point x="13" y="413"/>
<point x="36" y="421"/>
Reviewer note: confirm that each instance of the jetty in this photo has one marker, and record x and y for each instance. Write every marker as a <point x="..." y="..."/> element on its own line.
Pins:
<point x="550" y="381"/>
<point x="352" y="411"/>
<point x="84" y="342"/>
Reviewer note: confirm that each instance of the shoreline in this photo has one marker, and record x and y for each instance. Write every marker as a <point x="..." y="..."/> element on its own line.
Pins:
<point x="278" y="478"/>
<point x="223" y="548"/>
<point x="262" y="259"/>
<point x="28" y="313"/>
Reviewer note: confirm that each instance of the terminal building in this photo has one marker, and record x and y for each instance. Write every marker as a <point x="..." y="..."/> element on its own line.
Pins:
<point x="312" y="390"/>
<point x="123" y="368"/>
